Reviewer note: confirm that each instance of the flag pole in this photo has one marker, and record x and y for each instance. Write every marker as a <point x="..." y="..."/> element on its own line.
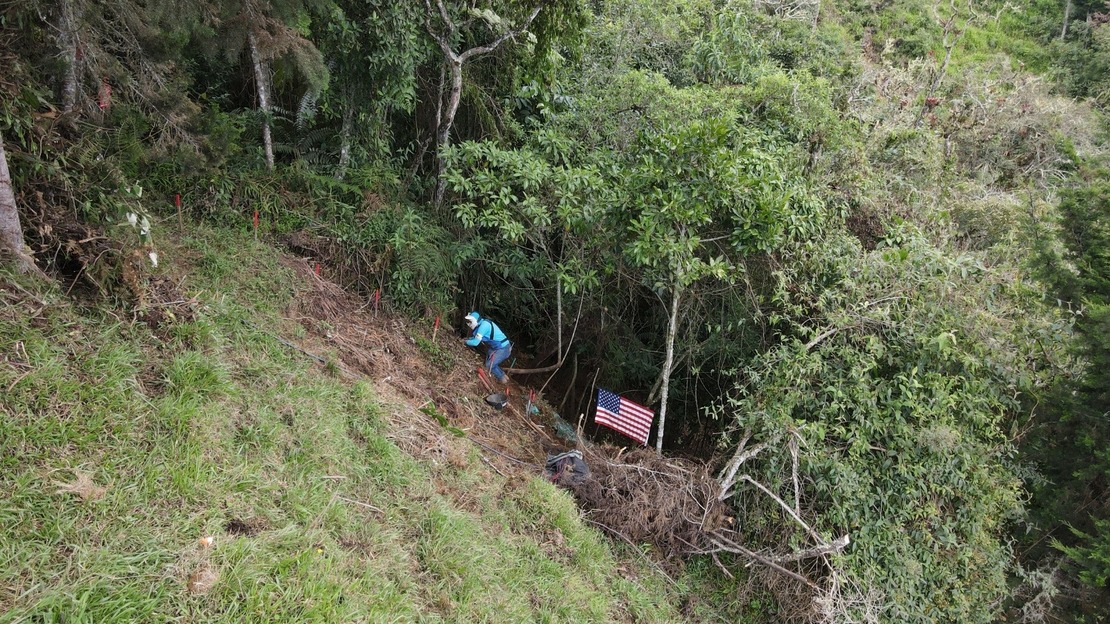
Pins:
<point x="593" y="384"/>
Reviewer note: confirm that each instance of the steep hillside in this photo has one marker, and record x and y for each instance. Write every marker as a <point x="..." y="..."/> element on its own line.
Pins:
<point x="850" y="254"/>
<point x="251" y="445"/>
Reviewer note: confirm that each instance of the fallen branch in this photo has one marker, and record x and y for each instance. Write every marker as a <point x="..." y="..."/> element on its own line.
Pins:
<point x="635" y="548"/>
<point x="283" y="341"/>
<point x="728" y="545"/>
<point x="742" y="455"/>
<point x="836" y="545"/>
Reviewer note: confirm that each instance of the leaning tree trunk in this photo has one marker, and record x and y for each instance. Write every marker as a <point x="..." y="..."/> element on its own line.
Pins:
<point x="262" y="79"/>
<point x="11" y="232"/>
<point x="668" y="361"/>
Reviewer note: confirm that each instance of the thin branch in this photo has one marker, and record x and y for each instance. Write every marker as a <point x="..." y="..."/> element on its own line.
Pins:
<point x="562" y="355"/>
<point x="359" y="503"/>
<point x="825" y="334"/>
<point x="731" y="546"/>
<point x="742" y="455"/>
<point x="634" y="547"/>
<point x="794" y="472"/>
<point x="490" y="47"/>
<point x="782" y="504"/>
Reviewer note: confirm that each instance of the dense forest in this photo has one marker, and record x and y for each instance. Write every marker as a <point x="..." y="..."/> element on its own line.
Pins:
<point x="855" y="254"/>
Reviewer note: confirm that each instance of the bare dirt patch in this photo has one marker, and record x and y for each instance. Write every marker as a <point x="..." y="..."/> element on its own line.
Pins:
<point x="380" y="346"/>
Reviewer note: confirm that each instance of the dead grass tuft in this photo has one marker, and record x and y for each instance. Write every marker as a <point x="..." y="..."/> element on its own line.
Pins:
<point x="83" y="486"/>
<point x="248" y="528"/>
<point x="202" y="579"/>
<point x="161" y="303"/>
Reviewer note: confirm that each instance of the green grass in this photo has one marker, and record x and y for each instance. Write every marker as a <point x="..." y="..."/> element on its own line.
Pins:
<point x="216" y="429"/>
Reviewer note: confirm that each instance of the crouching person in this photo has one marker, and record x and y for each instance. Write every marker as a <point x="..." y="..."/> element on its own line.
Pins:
<point x="485" y="331"/>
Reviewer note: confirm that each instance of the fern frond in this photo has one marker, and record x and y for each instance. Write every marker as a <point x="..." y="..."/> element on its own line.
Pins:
<point x="306" y="111"/>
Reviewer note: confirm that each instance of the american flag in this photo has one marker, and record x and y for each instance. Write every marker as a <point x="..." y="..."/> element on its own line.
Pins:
<point x="624" y="416"/>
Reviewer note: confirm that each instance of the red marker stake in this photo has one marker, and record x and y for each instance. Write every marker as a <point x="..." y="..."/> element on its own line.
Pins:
<point x="317" y="269"/>
<point x="435" y="330"/>
<point x="177" y="204"/>
<point x="256" y="224"/>
<point x="482" y="378"/>
<point x="104" y="97"/>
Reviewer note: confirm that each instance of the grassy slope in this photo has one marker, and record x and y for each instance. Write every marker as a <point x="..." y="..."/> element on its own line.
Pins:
<point x="218" y="430"/>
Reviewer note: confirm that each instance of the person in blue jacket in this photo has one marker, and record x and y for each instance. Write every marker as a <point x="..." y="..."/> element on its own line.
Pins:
<point x="485" y="331"/>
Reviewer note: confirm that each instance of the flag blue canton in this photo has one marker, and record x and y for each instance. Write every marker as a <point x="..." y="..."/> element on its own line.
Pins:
<point x="608" y="401"/>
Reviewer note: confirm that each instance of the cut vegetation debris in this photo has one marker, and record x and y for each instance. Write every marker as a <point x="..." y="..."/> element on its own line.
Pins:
<point x="202" y="426"/>
<point x="82" y="485"/>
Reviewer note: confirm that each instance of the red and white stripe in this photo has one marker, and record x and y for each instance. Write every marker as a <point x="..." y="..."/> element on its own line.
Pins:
<point x="630" y="418"/>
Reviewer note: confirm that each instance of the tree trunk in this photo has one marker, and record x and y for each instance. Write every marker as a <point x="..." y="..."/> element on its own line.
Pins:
<point x="443" y="133"/>
<point x="345" y="138"/>
<point x="455" y="62"/>
<point x="559" y="355"/>
<point x="67" y="41"/>
<point x="672" y="330"/>
<point x="11" y="232"/>
<point x="1067" y="17"/>
<point x="262" y="80"/>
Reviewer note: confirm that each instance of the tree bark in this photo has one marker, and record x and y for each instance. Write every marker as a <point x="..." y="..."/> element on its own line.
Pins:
<point x="345" y="138"/>
<point x="1067" y="17"/>
<point x="68" y="42"/>
<point x="443" y="133"/>
<point x="672" y="330"/>
<point x="262" y="80"/>
<point x="679" y="358"/>
<point x="11" y="231"/>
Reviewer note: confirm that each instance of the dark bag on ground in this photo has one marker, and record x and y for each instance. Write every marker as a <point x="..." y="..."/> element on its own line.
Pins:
<point x="566" y="468"/>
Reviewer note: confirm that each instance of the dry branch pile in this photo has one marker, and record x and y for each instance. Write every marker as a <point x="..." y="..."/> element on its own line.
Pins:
<point x="644" y="497"/>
